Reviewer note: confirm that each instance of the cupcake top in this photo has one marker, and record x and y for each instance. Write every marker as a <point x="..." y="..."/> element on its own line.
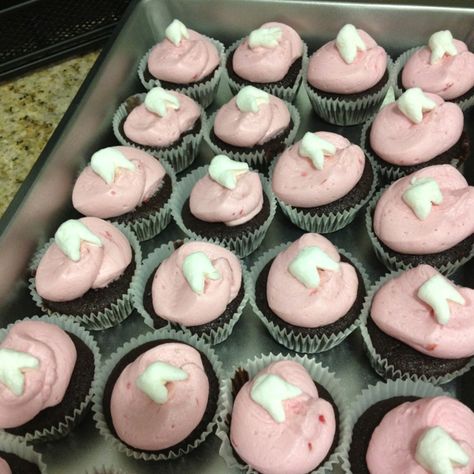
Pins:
<point x="351" y="63"/>
<point x="229" y="193"/>
<point x="426" y="212"/>
<point x="429" y="435"/>
<point x="252" y="117"/>
<point x="317" y="170"/>
<point x="160" y="398"/>
<point x="279" y="423"/>
<point x="444" y="67"/>
<point x="86" y="254"/>
<point x="195" y="283"/>
<point x="416" y="128"/>
<point x="426" y="311"/>
<point x="162" y="118"/>
<point x="4" y="467"/>
<point x="267" y="53"/>
<point x="118" y="180"/>
<point x="308" y="285"/>
<point x="183" y="57"/>
<point x="37" y="360"/>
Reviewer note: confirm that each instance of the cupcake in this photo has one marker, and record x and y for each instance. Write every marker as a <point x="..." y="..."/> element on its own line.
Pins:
<point x="128" y="186"/>
<point x="192" y="285"/>
<point x="444" y="67"/>
<point x="165" y="123"/>
<point x="425" y="217"/>
<point x="417" y="130"/>
<point x="271" y="58"/>
<point x="225" y="202"/>
<point x="254" y="126"/>
<point x="348" y="77"/>
<point x="47" y="388"/>
<point x="185" y="61"/>
<point x="16" y="457"/>
<point x="106" y="470"/>
<point x="85" y="272"/>
<point x="308" y="294"/>
<point x="322" y="181"/>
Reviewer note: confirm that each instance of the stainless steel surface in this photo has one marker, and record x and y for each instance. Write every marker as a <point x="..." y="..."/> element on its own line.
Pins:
<point x="44" y="200"/>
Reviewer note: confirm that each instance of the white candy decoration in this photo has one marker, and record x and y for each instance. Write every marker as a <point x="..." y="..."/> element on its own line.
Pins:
<point x="176" y="31"/>
<point x="196" y="268"/>
<point x="105" y="163"/>
<point x="306" y="264"/>
<point x="441" y="43"/>
<point x="348" y="42"/>
<point x="436" y="292"/>
<point x="314" y="148"/>
<point x="250" y="98"/>
<point x="439" y="453"/>
<point x="158" y="101"/>
<point x="225" y="171"/>
<point x="266" y="37"/>
<point x="11" y="365"/>
<point x="413" y="102"/>
<point x="421" y="194"/>
<point x="155" y="377"/>
<point x="269" y="391"/>
<point x="69" y="236"/>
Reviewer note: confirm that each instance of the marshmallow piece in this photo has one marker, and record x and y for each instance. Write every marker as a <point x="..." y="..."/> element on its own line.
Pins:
<point x="314" y="148"/>
<point x="265" y="37"/>
<point x="158" y="101"/>
<point x="421" y="194"/>
<point x="225" y="171"/>
<point x="348" y="42"/>
<point x="441" y="43"/>
<point x="105" y="163"/>
<point x="270" y="391"/>
<point x="176" y="31"/>
<point x="250" y="98"/>
<point x="196" y="268"/>
<point x="413" y="102"/>
<point x="11" y="365"/>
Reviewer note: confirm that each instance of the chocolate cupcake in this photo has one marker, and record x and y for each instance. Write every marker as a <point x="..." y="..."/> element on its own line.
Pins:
<point x="16" y="457"/>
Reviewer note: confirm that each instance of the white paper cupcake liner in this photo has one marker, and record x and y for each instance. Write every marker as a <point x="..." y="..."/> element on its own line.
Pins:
<point x="243" y="244"/>
<point x="73" y="418"/>
<point x="286" y="93"/>
<point x="99" y="386"/>
<point x="105" y="469"/>
<point x="318" y="373"/>
<point x="18" y="447"/>
<point x="204" y="92"/>
<point x="292" y="339"/>
<point x="150" y="264"/>
<point x="112" y="315"/>
<point x="179" y="155"/>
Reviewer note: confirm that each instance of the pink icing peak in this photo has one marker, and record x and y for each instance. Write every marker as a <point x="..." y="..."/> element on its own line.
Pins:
<point x="448" y="223"/>
<point x="308" y="307"/>
<point x="4" y="467"/>
<point x="328" y="72"/>
<point x="297" y="182"/>
<point x="45" y="385"/>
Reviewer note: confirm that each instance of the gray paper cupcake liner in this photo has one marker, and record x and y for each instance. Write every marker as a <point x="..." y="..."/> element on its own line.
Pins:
<point x="203" y="92"/>
<point x="179" y="155"/>
<point x="73" y="418"/>
<point x="18" y="447"/>
<point x="106" y="469"/>
<point x="318" y="373"/>
<point x="243" y="244"/>
<point x="291" y="339"/>
<point x="99" y="386"/>
<point x="112" y="315"/>
<point x="150" y="264"/>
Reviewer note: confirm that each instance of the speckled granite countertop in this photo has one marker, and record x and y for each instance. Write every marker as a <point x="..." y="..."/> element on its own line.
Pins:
<point x="31" y="106"/>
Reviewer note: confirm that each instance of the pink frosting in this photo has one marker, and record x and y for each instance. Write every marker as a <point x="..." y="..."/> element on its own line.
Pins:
<point x="397" y="311"/>
<point x="147" y="128"/>
<point x="247" y="129"/>
<point x="192" y="60"/>
<point x="297" y="182"/>
<point x="4" y="467"/>
<point x="92" y="196"/>
<point x="450" y="77"/>
<point x="448" y="223"/>
<point x="397" y="140"/>
<point x="173" y="298"/>
<point x="328" y="72"/>
<point x="45" y="385"/>
<point x="262" y="64"/>
<point x="145" y="424"/>
<point x="392" y="447"/>
<point x="211" y="202"/>
<point x="60" y="279"/>
<point x="300" y="443"/>
<point x="308" y="307"/>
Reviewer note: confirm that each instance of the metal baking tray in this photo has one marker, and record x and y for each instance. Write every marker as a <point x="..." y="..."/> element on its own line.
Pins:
<point x="44" y="199"/>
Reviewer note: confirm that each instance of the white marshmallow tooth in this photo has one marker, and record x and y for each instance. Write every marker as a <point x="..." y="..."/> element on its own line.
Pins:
<point x="106" y="162"/>
<point x="250" y="98"/>
<point x="421" y="194"/>
<point x="12" y="364"/>
<point x="265" y="37"/>
<point x="159" y="100"/>
<point x="315" y="148"/>
<point x="413" y="103"/>
<point x="176" y="31"/>
<point x="225" y="171"/>
<point x="441" y="43"/>
<point x="348" y="42"/>
<point x="196" y="268"/>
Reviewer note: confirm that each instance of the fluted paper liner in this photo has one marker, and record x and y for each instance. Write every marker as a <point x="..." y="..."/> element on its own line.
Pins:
<point x="106" y="469"/>
<point x="17" y="446"/>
